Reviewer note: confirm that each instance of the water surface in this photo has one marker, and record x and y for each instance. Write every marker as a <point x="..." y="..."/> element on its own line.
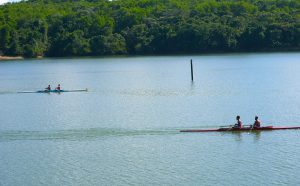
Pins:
<point x="124" y="130"/>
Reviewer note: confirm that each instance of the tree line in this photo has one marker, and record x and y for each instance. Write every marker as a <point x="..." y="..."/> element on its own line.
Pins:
<point x="101" y="27"/>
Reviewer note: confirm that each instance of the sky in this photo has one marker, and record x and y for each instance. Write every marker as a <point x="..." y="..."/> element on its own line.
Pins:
<point x="5" y="1"/>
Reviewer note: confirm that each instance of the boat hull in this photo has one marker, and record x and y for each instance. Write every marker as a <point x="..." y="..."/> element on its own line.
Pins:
<point x="229" y="129"/>
<point x="54" y="91"/>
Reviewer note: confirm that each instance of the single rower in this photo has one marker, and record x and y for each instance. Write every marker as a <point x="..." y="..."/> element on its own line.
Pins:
<point x="48" y="88"/>
<point x="239" y="123"/>
<point x="58" y="87"/>
<point x="256" y="123"/>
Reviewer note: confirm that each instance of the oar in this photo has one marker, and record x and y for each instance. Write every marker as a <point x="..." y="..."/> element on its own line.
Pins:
<point x="252" y="126"/>
<point x="226" y="126"/>
<point x="229" y="128"/>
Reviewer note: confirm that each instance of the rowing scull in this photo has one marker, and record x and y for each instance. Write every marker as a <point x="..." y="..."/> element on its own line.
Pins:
<point x="229" y="129"/>
<point x="54" y="91"/>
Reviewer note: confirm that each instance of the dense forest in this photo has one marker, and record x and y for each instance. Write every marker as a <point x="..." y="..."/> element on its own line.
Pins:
<point x="101" y="27"/>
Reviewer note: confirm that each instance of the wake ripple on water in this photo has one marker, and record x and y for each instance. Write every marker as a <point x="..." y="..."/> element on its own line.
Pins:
<point x="79" y="134"/>
<point x="7" y="92"/>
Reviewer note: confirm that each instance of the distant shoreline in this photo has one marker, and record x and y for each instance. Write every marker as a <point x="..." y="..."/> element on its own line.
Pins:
<point x="3" y="58"/>
<point x="10" y="57"/>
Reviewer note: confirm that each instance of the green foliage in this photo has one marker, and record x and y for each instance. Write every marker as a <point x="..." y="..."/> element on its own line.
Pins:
<point x="108" y="45"/>
<point x="102" y="27"/>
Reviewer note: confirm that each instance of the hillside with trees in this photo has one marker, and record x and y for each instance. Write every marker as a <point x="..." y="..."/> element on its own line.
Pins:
<point x="143" y="27"/>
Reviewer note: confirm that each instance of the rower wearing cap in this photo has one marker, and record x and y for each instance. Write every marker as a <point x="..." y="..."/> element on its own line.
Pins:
<point x="239" y="123"/>
<point x="256" y="123"/>
<point x="48" y="88"/>
<point x="58" y="87"/>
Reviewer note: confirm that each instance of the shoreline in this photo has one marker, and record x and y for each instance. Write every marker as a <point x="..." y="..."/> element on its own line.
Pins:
<point x="3" y="58"/>
<point x="10" y="57"/>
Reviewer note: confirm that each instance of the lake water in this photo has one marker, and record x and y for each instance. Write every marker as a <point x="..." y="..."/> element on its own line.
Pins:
<point x="125" y="129"/>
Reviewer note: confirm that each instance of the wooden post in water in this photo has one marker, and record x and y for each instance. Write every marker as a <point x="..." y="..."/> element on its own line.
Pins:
<point x="192" y="73"/>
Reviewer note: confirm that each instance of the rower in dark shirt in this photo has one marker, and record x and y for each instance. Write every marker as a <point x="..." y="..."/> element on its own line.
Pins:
<point x="48" y="88"/>
<point x="256" y="123"/>
<point x="239" y="123"/>
<point x="58" y="87"/>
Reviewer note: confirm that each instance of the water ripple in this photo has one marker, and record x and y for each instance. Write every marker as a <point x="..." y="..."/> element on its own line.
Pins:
<point x="80" y="134"/>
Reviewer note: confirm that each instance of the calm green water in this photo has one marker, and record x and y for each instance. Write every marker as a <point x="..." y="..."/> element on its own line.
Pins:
<point x="124" y="130"/>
